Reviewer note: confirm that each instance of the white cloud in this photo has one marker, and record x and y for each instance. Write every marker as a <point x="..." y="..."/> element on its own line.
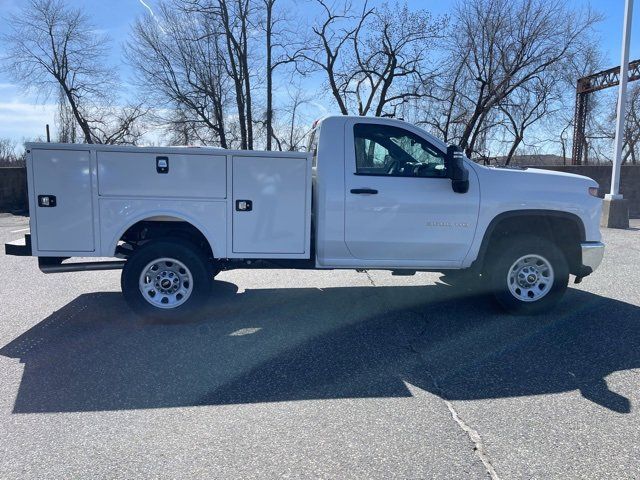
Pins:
<point x="20" y="120"/>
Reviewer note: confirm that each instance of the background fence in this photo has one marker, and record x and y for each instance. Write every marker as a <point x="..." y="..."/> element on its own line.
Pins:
<point x="13" y="189"/>
<point x="629" y="181"/>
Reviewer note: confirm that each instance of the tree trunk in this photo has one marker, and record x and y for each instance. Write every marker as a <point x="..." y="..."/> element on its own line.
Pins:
<point x="269" y="119"/>
<point x="243" y="52"/>
<point x="468" y="128"/>
<point x="84" y="125"/>
<point x="236" y="72"/>
<point x="514" y="146"/>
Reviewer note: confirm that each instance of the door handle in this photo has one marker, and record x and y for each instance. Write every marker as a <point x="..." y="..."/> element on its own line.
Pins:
<point x="364" y="191"/>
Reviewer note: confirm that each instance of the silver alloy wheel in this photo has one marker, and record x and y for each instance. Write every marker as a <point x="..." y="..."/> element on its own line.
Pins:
<point x="166" y="283"/>
<point x="530" y="278"/>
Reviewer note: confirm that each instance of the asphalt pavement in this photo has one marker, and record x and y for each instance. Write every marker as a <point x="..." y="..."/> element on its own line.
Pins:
<point x="319" y="374"/>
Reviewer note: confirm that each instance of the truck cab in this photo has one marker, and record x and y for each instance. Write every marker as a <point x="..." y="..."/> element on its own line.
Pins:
<point x="385" y="197"/>
<point x="371" y="193"/>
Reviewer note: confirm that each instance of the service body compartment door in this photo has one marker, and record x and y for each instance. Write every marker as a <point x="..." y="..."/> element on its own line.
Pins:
<point x="270" y="202"/>
<point x="63" y="200"/>
<point x="166" y="175"/>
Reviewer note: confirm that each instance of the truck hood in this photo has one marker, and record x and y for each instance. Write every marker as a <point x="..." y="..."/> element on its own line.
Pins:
<point x="538" y="175"/>
<point x="555" y="173"/>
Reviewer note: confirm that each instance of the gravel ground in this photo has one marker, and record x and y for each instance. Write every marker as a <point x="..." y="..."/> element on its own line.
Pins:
<point x="319" y="374"/>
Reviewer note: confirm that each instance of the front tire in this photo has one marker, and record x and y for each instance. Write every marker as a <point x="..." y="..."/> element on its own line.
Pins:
<point x="167" y="280"/>
<point x="529" y="275"/>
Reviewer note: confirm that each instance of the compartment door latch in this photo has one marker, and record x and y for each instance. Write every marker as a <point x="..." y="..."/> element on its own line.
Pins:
<point x="162" y="164"/>
<point x="244" y="205"/>
<point x="47" y="200"/>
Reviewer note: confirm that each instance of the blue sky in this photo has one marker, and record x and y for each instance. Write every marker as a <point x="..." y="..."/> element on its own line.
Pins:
<point x="22" y="117"/>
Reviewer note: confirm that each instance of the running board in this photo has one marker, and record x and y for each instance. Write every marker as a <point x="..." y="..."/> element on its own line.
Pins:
<point x="55" y="265"/>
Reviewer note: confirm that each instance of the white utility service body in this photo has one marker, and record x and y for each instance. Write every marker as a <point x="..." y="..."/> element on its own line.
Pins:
<point x="370" y="193"/>
<point x="101" y="191"/>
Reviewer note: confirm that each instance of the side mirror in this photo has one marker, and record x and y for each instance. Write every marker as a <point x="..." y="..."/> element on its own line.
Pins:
<point x="457" y="171"/>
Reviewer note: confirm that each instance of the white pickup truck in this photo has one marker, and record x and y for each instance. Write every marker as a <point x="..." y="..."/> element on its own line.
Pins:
<point x="371" y="193"/>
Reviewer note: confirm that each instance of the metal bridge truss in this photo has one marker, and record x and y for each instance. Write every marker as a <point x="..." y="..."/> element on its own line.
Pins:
<point x="585" y="86"/>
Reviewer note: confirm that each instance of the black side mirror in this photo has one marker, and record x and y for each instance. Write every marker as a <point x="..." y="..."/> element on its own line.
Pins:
<point x="457" y="171"/>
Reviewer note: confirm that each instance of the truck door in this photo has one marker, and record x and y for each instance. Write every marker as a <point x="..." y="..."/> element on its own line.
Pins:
<point x="399" y="204"/>
<point x="63" y="200"/>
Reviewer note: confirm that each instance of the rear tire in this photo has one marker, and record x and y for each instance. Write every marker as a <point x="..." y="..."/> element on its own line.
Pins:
<point x="167" y="280"/>
<point x="528" y="275"/>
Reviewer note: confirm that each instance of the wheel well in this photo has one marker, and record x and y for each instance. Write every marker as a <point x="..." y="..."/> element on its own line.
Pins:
<point x="150" y="229"/>
<point x="564" y="230"/>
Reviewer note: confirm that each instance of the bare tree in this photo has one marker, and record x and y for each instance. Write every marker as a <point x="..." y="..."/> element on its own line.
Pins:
<point x="602" y="135"/>
<point x="277" y="37"/>
<point x="181" y="65"/>
<point x="268" y="29"/>
<point x="204" y="58"/>
<point x="374" y="59"/>
<point x="293" y="125"/>
<point x="55" y="48"/>
<point x="444" y="108"/>
<point x="556" y="126"/>
<point x="235" y="19"/>
<point x="526" y="106"/>
<point x="505" y="45"/>
<point x="8" y="156"/>
<point x="65" y="121"/>
<point x="632" y="127"/>
<point x="182" y="129"/>
<point x="203" y="65"/>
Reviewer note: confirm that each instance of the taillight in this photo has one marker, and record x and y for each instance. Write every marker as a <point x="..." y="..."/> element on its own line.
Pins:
<point x="594" y="191"/>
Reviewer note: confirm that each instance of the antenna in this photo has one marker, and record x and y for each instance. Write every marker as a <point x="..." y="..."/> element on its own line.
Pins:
<point x="48" y="135"/>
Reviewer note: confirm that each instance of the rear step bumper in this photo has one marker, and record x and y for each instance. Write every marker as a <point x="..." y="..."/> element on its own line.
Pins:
<point x="19" y="248"/>
<point x="22" y="248"/>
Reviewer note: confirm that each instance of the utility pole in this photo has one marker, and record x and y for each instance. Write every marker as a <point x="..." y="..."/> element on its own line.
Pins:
<point x="615" y="208"/>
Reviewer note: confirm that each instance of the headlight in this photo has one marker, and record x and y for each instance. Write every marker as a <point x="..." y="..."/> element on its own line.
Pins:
<point x="593" y="191"/>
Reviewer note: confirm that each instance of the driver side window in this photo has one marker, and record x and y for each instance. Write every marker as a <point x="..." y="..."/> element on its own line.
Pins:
<point x="392" y="151"/>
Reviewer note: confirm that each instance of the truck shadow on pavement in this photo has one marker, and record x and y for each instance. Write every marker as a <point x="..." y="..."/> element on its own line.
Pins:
<point x="308" y="344"/>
